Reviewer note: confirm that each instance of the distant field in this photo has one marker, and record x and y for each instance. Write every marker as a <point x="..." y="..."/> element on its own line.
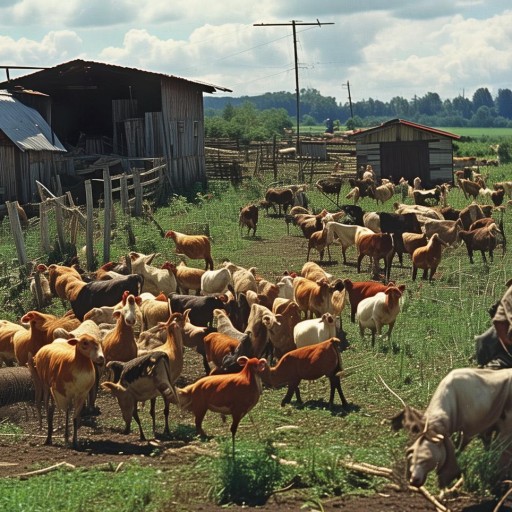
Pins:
<point x="479" y="132"/>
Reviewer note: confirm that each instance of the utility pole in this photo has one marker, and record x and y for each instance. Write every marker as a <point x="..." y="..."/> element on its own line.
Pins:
<point x="294" y="23"/>
<point x="349" y="99"/>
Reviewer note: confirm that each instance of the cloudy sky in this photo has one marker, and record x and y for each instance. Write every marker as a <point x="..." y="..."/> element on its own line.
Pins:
<point x="382" y="48"/>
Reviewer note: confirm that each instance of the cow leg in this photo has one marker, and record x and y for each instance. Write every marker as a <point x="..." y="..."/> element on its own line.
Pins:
<point x="321" y="255"/>
<point x="199" y="422"/>
<point x="432" y="272"/>
<point x="329" y="253"/>
<point x="373" y="337"/>
<point x="425" y="274"/>
<point x="152" y="412"/>
<point x="391" y="325"/>
<point x="293" y="387"/>
<point x="49" y="413"/>
<point x="414" y="272"/>
<point x="484" y="258"/>
<point x="207" y="368"/>
<point x="66" y="427"/>
<point x="359" y="259"/>
<point x="336" y="386"/>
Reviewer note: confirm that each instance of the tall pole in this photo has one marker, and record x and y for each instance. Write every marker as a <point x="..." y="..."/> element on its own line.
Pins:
<point x="349" y="99"/>
<point x="294" y="23"/>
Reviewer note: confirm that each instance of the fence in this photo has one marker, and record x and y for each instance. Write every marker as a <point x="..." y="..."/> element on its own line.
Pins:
<point x="69" y="219"/>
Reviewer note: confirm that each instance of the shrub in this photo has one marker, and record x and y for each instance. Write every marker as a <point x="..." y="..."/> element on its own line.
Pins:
<point x="505" y="153"/>
<point x="249" y="477"/>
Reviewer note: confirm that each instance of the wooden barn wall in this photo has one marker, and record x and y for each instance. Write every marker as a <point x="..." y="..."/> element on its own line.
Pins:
<point x="183" y="133"/>
<point x="154" y="134"/>
<point x="8" y="172"/>
<point x="368" y="154"/>
<point x="396" y="133"/>
<point x="441" y="160"/>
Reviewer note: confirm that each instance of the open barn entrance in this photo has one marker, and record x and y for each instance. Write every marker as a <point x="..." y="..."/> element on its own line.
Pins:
<point x="405" y="159"/>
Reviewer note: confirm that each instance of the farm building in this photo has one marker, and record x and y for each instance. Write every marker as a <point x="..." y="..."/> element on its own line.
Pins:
<point x="399" y="148"/>
<point x="103" y="109"/>
<point x="28" y="146"/>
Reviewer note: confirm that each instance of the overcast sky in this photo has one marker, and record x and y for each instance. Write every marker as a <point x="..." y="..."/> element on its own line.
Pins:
<point x="382" y="48"/>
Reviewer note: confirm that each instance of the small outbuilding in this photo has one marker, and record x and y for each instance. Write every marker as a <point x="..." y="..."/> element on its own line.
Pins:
<point x="400" y="148"/>
<point x="28" y="146"/>
<point x="104" y="109"/>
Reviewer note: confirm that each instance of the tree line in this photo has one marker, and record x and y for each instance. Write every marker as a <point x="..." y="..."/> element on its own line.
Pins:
<point x="481" y="110"/>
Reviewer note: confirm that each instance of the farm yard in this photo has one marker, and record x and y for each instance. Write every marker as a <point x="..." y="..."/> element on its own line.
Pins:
<point x="299" y="454"/>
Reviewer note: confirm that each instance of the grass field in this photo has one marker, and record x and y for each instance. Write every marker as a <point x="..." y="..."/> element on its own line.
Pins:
<point x="433" y="334"/>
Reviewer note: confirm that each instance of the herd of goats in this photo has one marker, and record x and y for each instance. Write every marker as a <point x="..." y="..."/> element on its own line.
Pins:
<point x="132" y="320"/>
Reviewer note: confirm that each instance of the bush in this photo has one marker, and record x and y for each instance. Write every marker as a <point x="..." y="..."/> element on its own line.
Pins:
<point x="505" y="153"/>
<point x="248" y="478"/>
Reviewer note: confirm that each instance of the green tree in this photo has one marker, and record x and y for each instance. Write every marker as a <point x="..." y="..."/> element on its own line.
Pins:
<point x="504" y="103"/>
<point x="462" y="106"/>
<point x="482" y="98"/>
<point x="430" y="104"/>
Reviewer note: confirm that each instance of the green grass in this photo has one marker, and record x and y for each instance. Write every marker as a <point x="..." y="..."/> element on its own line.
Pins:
<point x="131" y="489"/>
<point x="433" y="334"/>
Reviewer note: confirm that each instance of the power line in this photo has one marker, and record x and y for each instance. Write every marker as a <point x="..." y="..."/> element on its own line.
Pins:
<point x="294" y="24"/>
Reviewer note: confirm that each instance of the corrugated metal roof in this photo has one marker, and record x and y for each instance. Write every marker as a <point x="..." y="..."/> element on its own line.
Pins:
<point x="362" y="133"/>
<point x="25" y="126"/>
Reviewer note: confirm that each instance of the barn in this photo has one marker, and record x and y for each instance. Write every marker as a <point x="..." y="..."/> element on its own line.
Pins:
<point x="104" y="109"/>
<point x="28" y="146"/>
<point x="400" y="148"/>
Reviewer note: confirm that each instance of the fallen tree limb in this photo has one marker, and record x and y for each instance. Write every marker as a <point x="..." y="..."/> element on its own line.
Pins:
<point x="46" y="470"/>
<point x="370" y="469"/>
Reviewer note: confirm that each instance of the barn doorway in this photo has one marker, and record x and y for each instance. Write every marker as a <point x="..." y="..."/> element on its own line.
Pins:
<point x="405" y="159"/>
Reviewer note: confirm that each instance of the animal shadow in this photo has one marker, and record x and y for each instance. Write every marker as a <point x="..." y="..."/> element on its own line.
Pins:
<point x="336" y="409"/>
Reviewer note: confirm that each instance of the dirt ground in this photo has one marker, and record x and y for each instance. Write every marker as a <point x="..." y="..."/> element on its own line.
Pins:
<point x="109" y="447"/>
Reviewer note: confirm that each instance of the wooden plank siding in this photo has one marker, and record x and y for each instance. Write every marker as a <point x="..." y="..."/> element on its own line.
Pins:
<point x="183" y="130"/>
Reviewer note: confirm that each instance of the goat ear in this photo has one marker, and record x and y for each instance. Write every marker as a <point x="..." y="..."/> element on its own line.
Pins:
<point x="116" y="313"/>
<point x="242" y="360"/>
<point x="138" y="300"/>
<point x="72" y="341"/>
<point x="187" y="313"/>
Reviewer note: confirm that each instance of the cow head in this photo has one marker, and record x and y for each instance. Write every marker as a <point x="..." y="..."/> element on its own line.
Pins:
<point x="432" y="451"/>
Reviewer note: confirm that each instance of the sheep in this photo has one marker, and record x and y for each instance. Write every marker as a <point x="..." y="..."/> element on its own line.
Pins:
<point x="308" y="363"/>
<point x="193" y="246"/>
<point x="428" y="257"/>
<point x="379" y="310"/>
<point x="310" y="332"/>
<point x="66" y="371"/>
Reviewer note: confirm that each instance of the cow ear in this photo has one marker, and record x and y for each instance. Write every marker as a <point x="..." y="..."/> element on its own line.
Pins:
<point x="72" y="341"/>
<point x="223" y="297"/>
<point x="242" y="360"/>
<point x="401" y="288"/>
<point x="41" y="267"/>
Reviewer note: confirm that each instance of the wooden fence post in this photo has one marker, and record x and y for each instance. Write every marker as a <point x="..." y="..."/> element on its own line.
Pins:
<point x="125" y="205"/>
<point x="107" y="212"/>
<point x="43" y="226"/>
<point x="89" y="232"/>
<point x="61" y="239"/>
<point x="17" y="233"/>
<point x="274" y="159"/>
<point x="138" y="192"/>
<point x="38" y="287"/>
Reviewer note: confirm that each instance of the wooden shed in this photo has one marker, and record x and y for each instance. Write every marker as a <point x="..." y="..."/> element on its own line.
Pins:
<point x="105" y="109"/>
<point x="28" y="146"/>
<point x="399" y="148"/>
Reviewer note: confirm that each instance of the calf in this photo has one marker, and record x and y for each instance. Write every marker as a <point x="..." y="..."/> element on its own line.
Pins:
<point x="428" y="257"/>
<point x="248" y="218"/>
<point x="138" y="380"/>
<point x="379" y="310"/>
<point x="309" y="363"/>
<point x="377" y="246"/>
<point x="359" y="290"/>
<point x="235" y="394"/>
<point x="63" y="375"/>
<point x="310" y="332"/>
<point x="482" y="239"/>
<point x="315" y="298"/>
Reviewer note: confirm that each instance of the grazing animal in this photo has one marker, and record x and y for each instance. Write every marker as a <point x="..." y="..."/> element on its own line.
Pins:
<point x="248" y="218"/>
<point x="377" y="246"/>
<point x="187" y="278"/>
<point x="282" y="197"/>
<point x="359" y="290"/>
<point x="138" y="380"/>
<point x="7" y="331"/>
<point x="314" y="272"/>
<point x="234" y="394"/>
<point x="428" y="257"/>
<point x="379" y="310"/>
<point x="448" y="230"/>
<point x="315" y="298"/>
<point x="319" y="241"/>
<point x="315" y="330"/>
<point x="214" y="282"/>
<point x="63" y="376"/>
<point x="281" y="336"/>
<point x="411" y="241"/>
<point x="308" y="363"/>
<point x="481" y="239"/>
<point x="201" y="308"/>
<point x="469" y="188"/>
<point x="154" y="280"/>
<point x="490" y="395"/>
<point x="195" y="247"/>
<point x="347" y="234"/>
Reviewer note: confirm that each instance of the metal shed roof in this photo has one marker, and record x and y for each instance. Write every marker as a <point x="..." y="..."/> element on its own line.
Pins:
<point x="362" y="133"/>
<point x="25" y="127"/>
